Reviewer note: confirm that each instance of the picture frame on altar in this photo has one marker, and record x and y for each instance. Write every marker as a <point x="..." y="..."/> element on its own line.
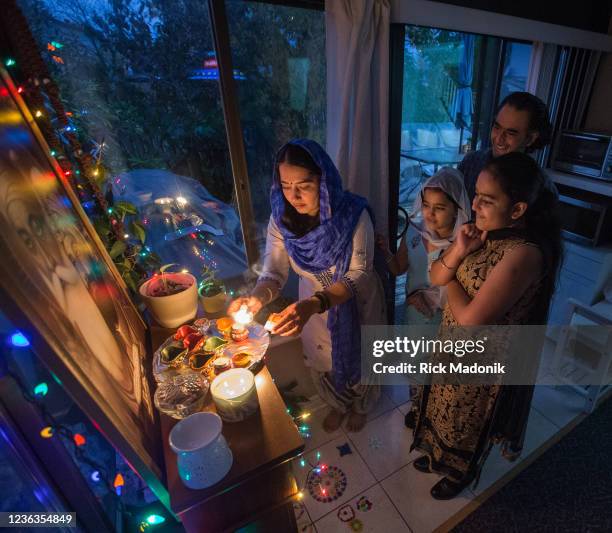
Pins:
<point x="59" y="285"/>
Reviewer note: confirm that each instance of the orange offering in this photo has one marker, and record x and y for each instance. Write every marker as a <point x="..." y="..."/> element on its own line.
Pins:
<point x="241" y="360"/>
<point x="224" y="325"/>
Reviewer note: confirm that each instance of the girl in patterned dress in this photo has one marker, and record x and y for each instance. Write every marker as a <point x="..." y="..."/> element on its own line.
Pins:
<point x="499" y="271"/>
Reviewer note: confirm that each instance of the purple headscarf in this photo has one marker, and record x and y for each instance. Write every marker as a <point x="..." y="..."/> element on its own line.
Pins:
<point x="329" y="244"/>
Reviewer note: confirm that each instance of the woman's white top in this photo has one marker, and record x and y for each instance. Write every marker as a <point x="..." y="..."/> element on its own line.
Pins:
<point x="361" y="279"/>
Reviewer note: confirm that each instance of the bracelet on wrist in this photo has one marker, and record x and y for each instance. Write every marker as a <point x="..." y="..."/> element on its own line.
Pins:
<point x="446" y="266"/>
<point x="324" y="300"/>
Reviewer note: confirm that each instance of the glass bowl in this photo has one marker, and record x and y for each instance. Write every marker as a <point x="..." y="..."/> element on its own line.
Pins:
<point x="181" y="395"/>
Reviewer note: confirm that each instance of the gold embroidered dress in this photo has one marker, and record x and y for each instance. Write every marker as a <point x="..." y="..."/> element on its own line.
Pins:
<point x="456" y="424"/>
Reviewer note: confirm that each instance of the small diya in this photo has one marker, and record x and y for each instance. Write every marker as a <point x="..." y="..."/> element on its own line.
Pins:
<point x="173" y="354"/>
<point x="224" y="325"/>
<point x="191" y="340"/>
<point x="239" y="333"/>
<point x="198" y="360"/>
<point x="212" y="344"/>
<point x="241" y="360"/>
<point x="221" y="364"/>
<point x="183" y="332"/>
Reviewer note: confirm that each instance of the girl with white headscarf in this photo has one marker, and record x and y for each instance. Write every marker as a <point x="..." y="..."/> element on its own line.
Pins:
<point x="440" y="209"/>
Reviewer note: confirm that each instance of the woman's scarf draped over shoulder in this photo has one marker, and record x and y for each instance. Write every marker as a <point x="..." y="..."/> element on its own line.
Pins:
<point x="329" y="244"/>
<point x="450" y="181"/>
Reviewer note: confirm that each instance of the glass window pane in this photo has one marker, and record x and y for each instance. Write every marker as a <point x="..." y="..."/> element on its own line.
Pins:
<point x="141" y="84"/>
<point x="516" y="69"/>
<point x="450" y="83"/>
<point x="279" y="52"/>
<point x="438" y="102"/>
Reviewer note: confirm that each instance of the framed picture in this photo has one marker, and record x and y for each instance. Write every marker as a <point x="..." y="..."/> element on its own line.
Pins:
<point x="60" y="285"/>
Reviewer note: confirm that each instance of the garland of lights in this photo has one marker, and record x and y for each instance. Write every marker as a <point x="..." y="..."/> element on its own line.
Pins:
<point x="37" y="89"/>
<point x="82" y="170"/>
<point x="54" y="427"/>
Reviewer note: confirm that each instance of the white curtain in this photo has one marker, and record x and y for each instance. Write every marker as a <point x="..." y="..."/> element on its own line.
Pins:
<point x="535" y="62"/>
<point x="357" y="49"/>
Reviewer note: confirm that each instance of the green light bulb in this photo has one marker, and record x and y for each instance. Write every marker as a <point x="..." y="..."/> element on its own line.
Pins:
<point x="41" y="389"/>
<point x="155" y="519"/>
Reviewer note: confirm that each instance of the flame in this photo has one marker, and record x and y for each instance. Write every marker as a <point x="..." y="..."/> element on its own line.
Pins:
<point x="243" y="316"/>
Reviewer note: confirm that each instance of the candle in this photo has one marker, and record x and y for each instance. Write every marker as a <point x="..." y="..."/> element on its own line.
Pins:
<point x="235" y="394"/>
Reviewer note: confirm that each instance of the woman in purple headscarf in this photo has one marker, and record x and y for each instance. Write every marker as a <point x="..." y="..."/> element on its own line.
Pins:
<point x="327" y="236"/>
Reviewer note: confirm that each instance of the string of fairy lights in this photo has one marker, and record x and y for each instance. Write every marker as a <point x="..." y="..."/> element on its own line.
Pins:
<point x="316" y="468"/>
<point x="54" y="428"/>
<point x="85" y="172"/>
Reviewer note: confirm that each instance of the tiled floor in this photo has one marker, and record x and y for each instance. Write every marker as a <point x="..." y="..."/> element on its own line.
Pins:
<point x="370" y="484"/>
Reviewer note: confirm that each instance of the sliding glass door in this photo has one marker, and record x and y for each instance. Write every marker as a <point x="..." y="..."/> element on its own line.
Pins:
<point x="451" y="84"/>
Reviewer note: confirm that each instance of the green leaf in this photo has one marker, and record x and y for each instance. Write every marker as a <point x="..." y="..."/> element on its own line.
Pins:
<point x="130" y="280"/>
<point x="117" y="249"/>
<point x="138" y="230"/>
<point x="166" y="267"/>
<point x="102" y="227"/>
<point x="126" y="207"/>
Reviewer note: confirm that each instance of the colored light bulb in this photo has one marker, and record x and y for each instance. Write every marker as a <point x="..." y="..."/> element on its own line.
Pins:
<point x="19" y="340"/>
<point x="155" y="519"/>
<point x="41" y="389"/>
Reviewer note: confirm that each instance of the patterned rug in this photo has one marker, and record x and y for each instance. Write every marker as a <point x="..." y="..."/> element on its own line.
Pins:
<point x="569" y="488"/>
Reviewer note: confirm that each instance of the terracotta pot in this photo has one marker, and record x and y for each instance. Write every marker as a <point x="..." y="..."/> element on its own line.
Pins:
<point x="175" y="309"/>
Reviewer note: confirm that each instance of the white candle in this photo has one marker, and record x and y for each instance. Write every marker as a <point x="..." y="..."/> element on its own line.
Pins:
<point x="235" y="394"/>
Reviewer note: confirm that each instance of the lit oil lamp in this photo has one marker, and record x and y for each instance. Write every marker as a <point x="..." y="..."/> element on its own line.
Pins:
<point x="242" y="318"/>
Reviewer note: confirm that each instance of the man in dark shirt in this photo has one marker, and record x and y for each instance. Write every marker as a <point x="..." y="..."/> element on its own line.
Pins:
<point x="521" y="125"/>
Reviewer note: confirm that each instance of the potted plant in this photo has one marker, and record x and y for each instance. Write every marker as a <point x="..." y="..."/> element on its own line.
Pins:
<point x="212" y="291"/>
<point x="172" y="297"/>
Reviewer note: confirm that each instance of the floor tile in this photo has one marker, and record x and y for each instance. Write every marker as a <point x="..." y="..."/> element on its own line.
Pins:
<point x="409" y="491"/>
<point x="560" y="404"/>
<point x="384" y="444"/>
<point x="539" y="430"/>
<point x="304" y="524"/>
<point x="399" y="394"/>
<point x="318" y="436"/>
<point x="383" y="405"/>
<point x="371" y="511"/>
<point x="404" y="408"/>
<point x="344" y="477"/>
<point x="494" y="468"/>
